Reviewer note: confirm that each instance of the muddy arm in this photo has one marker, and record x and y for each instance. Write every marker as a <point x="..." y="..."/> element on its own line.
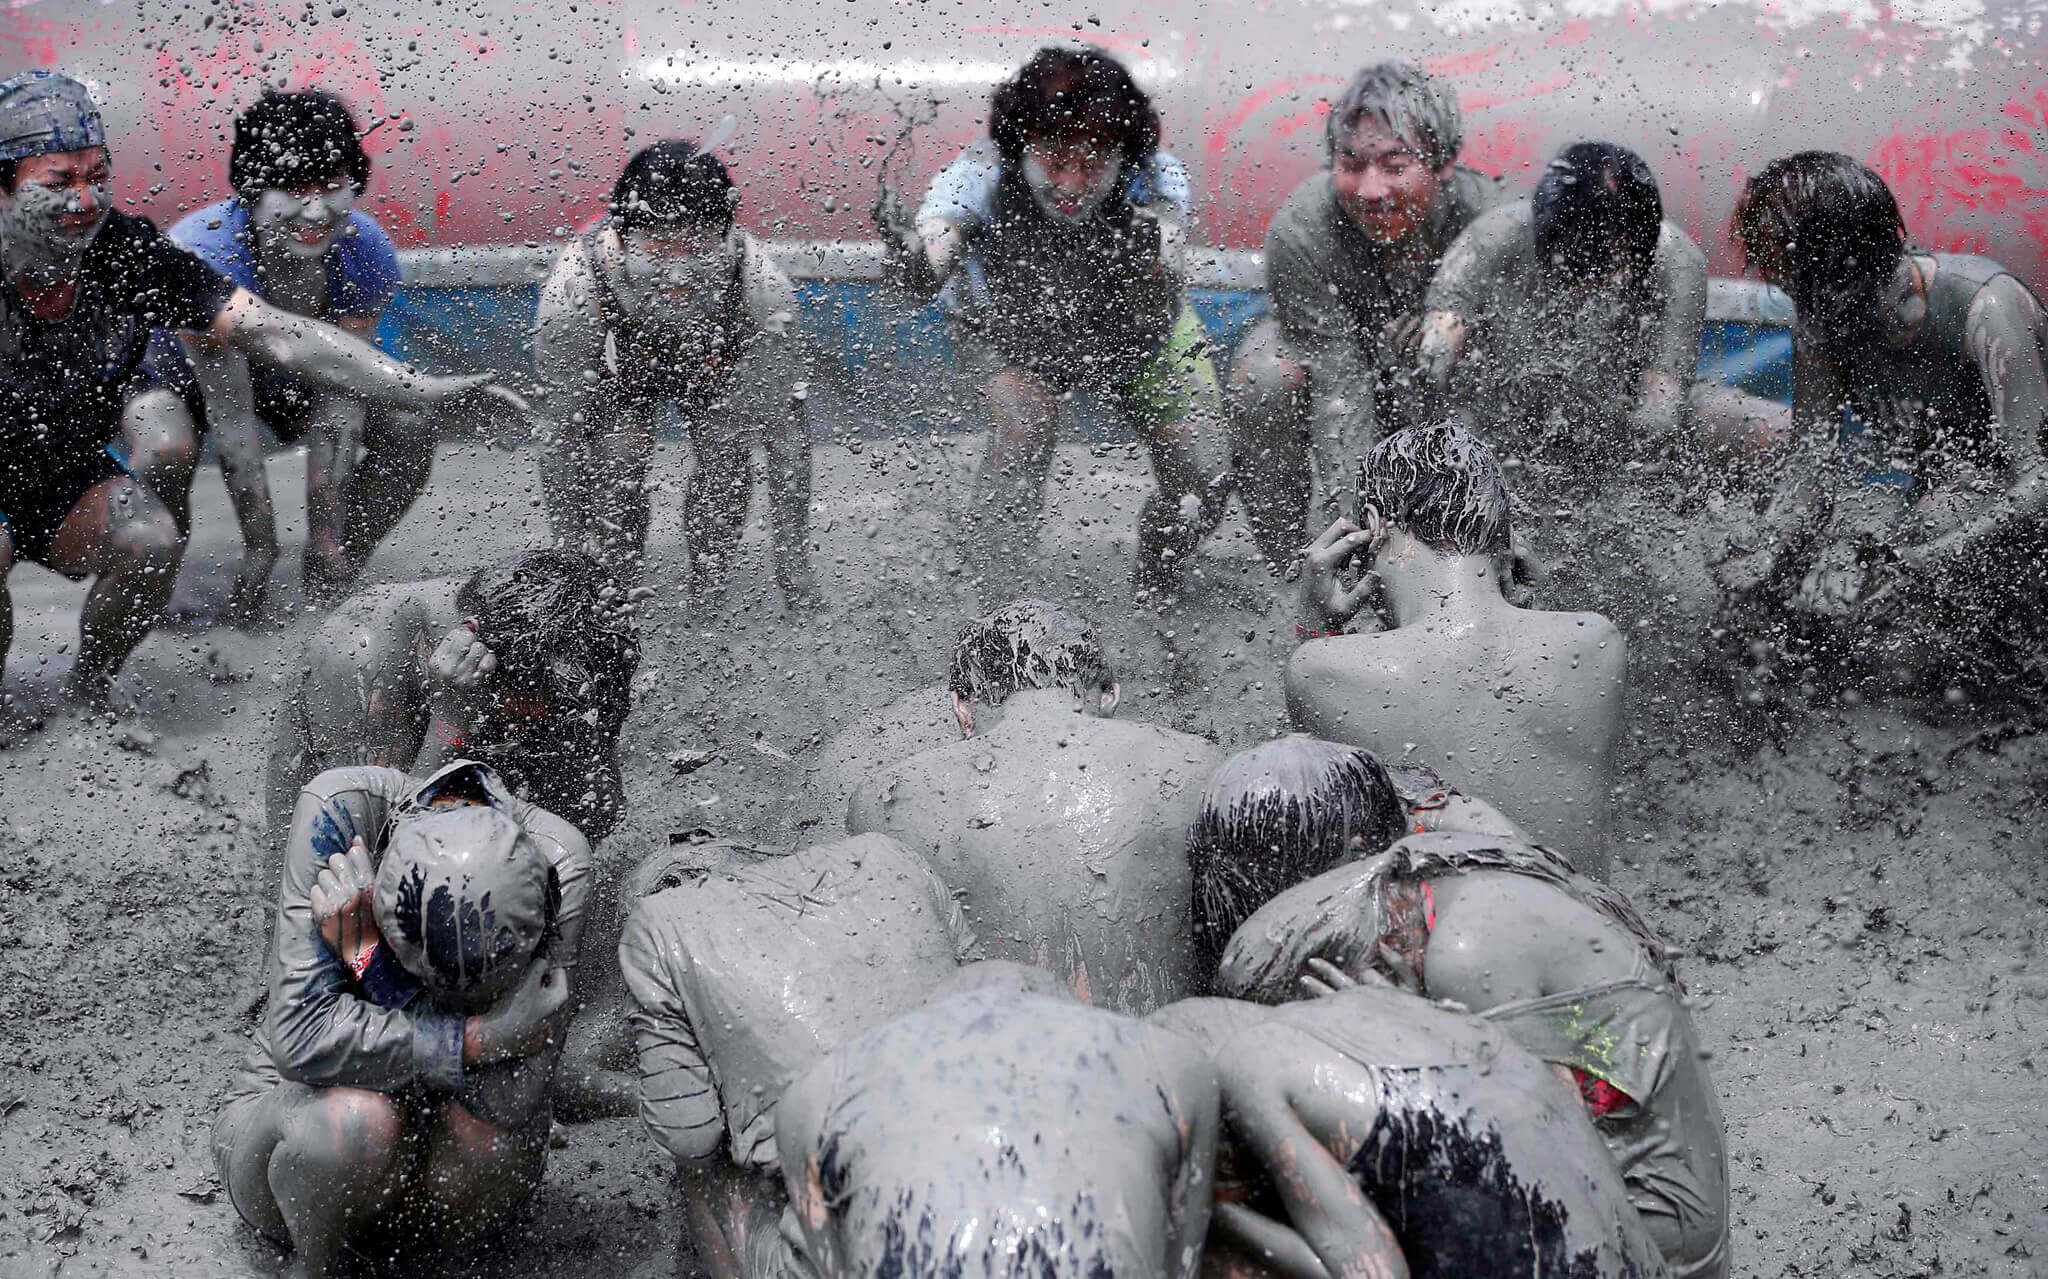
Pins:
<point x="1323" y="1201"/>
<point x="2006" y="329"/>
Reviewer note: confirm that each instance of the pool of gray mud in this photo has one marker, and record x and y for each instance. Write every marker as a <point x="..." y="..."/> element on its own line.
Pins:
<point x="1861" y="891"/>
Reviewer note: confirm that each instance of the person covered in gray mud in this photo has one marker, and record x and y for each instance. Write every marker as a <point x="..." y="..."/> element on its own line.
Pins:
<point x="1562" y="963"/>
<point x="397" y="1097"/>
<point x="1909" y="536"/>
<point x="1296" y="806"/>
<point x="84" y="432"/>
<point x="291" y="235"/>
<point x="668" y="302"/>
<point x="922" y="719"/>
<point x="528" y="664"/>
<point x="1060" y="827"/>
<point x="1056" y="246"/>
<point x="1399" y="1138"/>
<point x="1564" y="329"/>
<point x="746" y="968"/>
<point x="1522" y="705"/>
<point x="998" y="1132"/>
<point x="1348" y="258"/>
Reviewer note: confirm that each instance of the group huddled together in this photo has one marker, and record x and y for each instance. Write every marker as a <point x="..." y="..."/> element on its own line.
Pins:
<point x="1074" y="994"/>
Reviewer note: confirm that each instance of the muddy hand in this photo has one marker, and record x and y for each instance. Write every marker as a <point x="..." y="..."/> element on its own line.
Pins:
<point x="527" y="1020"/>
<point x="1323" y="589"/>
<point x="342" y="908"/>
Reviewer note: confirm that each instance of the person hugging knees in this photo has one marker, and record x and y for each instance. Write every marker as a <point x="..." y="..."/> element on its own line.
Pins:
<point x="397" y="1096"/>
<point x="1538" y="737"/>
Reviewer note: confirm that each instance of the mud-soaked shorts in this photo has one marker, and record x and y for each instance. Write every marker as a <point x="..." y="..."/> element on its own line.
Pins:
<point x="33" y="507"/>
<point x="1164" y="390"/>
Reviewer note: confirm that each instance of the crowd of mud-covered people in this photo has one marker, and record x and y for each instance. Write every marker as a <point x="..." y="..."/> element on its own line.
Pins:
<point x="1074" y="994"/>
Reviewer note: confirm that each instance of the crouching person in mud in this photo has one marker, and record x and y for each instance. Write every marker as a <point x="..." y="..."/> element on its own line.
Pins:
<point x="1348" y="260"/>
<point x="997" y="1132"/>
<point x="1908" y="539"/>
<point x="528" y="665"/>
<point x="419" y="989"/>
<point x="1562" y="964"/>
<point x="1056" y="247"/>
<point x="1375" y="1134"/>
<point x="1059" y="827"/>
<point x="667" y="302"/>
<point x="746" y="968"/>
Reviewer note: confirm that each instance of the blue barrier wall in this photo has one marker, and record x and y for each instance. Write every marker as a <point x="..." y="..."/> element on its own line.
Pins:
<point x="883" y="368"/>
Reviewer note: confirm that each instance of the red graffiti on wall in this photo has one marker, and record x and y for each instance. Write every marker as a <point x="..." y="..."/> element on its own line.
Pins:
<point x="1957" y="189"/>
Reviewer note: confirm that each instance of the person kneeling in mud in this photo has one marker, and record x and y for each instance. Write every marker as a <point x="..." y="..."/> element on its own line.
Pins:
<point x="1909" y="537"/>
<point x="1061" y="829"/>
<point x="1561" y="963"/>
<point x="668" y="302"/>
<point x="1308" y="806"/>
<point x="419" y="989"/>
<point x="528" y="664"/>
<point x="745" y="969"/>
<point x="1565" y="329"/>
<point x="1056" y="246"/>
<point x="1523" y="705"/>
<point x="1397" y="1138"/>
<point x="997" y="1133"/>
<point x="1348" y="258"/>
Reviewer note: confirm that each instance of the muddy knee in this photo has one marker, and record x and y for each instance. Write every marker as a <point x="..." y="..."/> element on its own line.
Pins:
<point x="348" y="1133"/>
<point x="143" y="535"/>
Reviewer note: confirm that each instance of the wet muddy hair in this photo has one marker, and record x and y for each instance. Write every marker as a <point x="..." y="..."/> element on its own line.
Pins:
<point x="1407" y="102"/>
<point x="1275" y="815"/>
<point x="1831" y="228"/>
<point x="285" y="141"/>
<point x="1027" y="644"/>
<point x="1064" y="91"/>
<point x="1596" y="199"/>
<point x="558" y="626"/>
<point x="671" y="183"/>
<point x="1441" y="484"/>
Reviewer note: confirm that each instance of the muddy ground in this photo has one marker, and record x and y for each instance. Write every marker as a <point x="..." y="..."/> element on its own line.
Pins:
<point x="1863" y="900"/>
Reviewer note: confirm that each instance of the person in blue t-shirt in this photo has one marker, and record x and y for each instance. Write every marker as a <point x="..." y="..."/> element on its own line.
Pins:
<point x="291" y="236"/>
<point x="1056" y="246"/>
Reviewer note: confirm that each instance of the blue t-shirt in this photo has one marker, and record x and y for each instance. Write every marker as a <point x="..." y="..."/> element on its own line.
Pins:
<point x="362" y="267"/>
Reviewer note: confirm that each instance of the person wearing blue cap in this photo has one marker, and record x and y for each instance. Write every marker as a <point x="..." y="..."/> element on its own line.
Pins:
<point x="81" y="287"/>
<point x="397" y="1093"/>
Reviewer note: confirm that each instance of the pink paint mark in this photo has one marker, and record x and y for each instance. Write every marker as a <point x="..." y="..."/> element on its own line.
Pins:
<point x="1577" y="31"/>
<point x="1464" y="63"/>
<point x="630" y="41"/>
<point x="1501" y="149"/>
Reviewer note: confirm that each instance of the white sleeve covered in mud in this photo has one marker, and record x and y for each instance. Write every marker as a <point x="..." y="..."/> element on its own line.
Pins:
<point x="678" y="1097"/>
<point x="569" y="334"/>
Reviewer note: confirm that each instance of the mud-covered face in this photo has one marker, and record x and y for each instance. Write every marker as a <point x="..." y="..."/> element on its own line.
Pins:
<point x="680" y="271"/>
<point x="58" y="204"/>
<point x="305" y="221"/>
<point x="1070" y="178"/>
<point x="1383" y="185"/>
